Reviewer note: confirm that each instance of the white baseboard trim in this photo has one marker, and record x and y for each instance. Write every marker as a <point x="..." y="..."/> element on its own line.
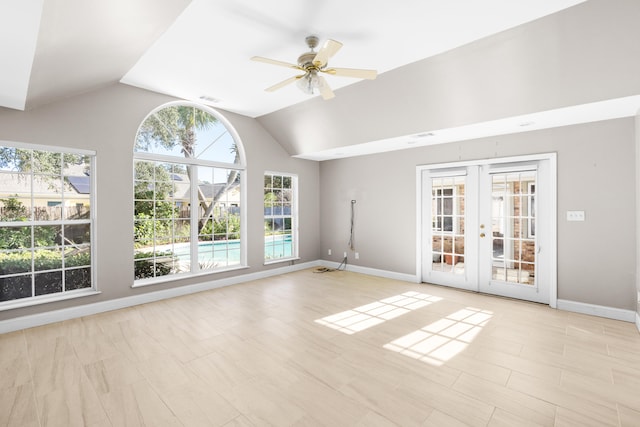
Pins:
<point x="598" y="310"/>
<point x="40" y="319"/>
<point x="374" y="272"/>
<point x="638" y="321"/>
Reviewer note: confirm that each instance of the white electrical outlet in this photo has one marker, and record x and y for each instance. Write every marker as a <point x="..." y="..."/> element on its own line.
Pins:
<point x="357" y="255"/>
<point x="345" y="255"/>
<point x="329" y="252"/>
<point x="575" y="215"/>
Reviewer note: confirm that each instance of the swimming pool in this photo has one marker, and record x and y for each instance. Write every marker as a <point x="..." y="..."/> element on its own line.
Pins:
<point x="227" y="252"/>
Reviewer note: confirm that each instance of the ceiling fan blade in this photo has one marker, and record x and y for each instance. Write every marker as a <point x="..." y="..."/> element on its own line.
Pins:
<point x="352" y="72"/>
<point x="275" y="62"/>
<point x="330" y="48"/>
<point x="283" y="83"/>
<point x="325" y="89"/>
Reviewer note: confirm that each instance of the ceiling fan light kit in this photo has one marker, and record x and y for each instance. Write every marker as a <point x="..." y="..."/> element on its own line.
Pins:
<point x="312" y="63"/>
<point x="310" y="83"/>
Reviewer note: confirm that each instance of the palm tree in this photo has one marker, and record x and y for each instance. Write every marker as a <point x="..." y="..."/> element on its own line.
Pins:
<point x="177" y="125"/>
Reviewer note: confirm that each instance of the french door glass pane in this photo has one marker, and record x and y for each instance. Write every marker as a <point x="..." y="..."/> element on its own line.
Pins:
<point x="513" y="227"/>
<point x="447" y="224"/>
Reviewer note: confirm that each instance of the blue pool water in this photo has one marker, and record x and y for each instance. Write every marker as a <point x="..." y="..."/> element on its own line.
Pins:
<point x="227" y="252"/>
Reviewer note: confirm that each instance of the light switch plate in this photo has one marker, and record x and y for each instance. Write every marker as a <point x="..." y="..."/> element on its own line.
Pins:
<point x="575" y="215"/>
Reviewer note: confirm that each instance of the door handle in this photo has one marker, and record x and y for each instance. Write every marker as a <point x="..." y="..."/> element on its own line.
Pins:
<point x="481" y="234"/>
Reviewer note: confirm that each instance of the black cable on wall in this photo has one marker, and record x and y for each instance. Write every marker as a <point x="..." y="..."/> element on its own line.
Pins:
<point x="352" y="244"/>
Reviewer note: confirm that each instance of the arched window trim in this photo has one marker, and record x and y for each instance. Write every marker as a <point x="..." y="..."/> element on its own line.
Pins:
<point x="217" y="115"/>
<point x="241" y="167"/>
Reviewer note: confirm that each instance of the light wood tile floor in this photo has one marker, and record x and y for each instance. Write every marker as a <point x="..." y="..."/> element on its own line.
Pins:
<point x="331" y="349"/>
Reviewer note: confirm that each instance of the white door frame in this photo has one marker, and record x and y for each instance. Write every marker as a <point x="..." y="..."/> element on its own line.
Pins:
<point x="552" y="203"/>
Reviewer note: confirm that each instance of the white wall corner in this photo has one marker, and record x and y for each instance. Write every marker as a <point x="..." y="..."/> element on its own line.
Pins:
<point x="637" y="177"/>
<point x="598" y="310"/>
<point x="637" y="168"/>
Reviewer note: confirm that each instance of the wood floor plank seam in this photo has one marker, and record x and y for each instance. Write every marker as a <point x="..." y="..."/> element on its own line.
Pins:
<point x="31" y="382"/>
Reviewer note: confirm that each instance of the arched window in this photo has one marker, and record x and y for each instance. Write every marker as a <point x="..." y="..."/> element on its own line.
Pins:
<point x="188" y="175"/>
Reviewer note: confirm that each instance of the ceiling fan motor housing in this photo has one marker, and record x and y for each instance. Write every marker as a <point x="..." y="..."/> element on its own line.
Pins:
<point x="306" y="60"/>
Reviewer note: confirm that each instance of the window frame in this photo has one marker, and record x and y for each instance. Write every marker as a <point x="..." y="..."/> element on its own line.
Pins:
<point x="193" y="195"/>
<point x="62" y="222"/>
<point x="293" y="217"/>
<point x="455" y="227"/>
<point x="531" y="209"/>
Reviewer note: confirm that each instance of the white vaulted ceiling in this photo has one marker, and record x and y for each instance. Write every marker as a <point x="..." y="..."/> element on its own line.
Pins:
<point x="52" y="49"/>
<point x="200" y="50"/>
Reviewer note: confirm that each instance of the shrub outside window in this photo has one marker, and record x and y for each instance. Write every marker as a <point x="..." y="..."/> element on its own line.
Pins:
<point x="46" y="224"/>
<point x="188" y="168"/>
<point x="280" y="217"/>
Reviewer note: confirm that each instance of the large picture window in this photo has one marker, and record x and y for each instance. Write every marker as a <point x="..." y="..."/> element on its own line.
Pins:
<point x="280" y="206"/>
<point x="188" y="170"/>
<point x="46" y="224"/>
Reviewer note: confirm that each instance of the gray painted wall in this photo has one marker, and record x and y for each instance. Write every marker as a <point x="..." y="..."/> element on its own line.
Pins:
<point x="107" y="121"/>
<point x="583" y="54"/>
<point x="596" y="173"/>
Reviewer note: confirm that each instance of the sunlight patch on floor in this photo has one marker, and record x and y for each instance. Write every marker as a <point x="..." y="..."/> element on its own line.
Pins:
<point x="443" y="339"/>
<point x="366" y="316"/>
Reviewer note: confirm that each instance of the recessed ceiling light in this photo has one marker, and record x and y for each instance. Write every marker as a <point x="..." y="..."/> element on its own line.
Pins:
<point x="209" y="99"/>
<point x="425" y="135"/>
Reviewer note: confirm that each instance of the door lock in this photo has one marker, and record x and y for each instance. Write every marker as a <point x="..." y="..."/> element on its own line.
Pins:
<point x="481" y="234"/>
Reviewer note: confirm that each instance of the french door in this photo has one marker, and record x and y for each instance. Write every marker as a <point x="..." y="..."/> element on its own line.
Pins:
<point x="490" y="227"/>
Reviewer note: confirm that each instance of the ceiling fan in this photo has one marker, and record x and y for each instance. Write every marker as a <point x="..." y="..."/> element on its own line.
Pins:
<point x="312" y="63"/>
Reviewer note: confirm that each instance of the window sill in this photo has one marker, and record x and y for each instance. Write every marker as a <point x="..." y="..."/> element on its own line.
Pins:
<point x="279" y="260"/>
<point x="183" y="276"/>
<point x="28" y="302"/>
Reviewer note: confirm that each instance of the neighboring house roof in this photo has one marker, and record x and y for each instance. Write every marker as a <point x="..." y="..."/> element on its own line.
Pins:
<point x="181" y="188"/>
<point x="210" y="190"/>
<point x="82" y="184"/>
<point x="13" y="182"/>
<point x="21" y="184"/>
